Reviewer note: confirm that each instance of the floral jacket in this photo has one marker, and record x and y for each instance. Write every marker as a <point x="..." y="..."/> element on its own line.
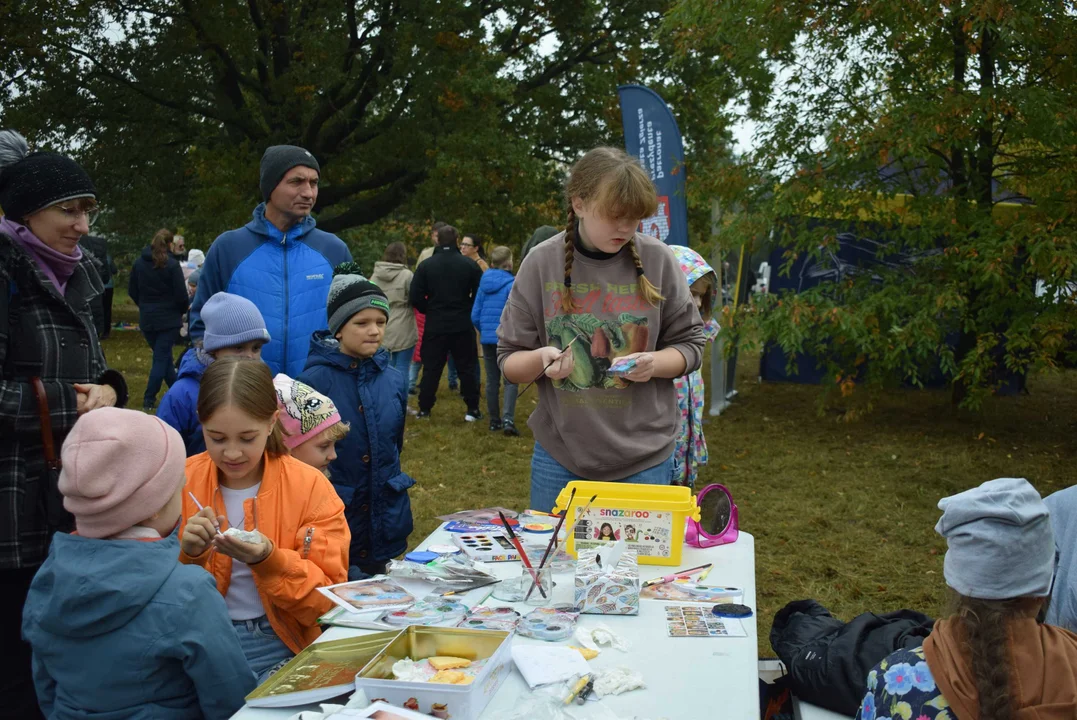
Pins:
<point x="901" y="687"/>
<point x="690" y="449"/>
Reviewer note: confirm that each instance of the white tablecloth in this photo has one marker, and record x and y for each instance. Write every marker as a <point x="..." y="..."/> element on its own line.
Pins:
<point x="687" y="678"/>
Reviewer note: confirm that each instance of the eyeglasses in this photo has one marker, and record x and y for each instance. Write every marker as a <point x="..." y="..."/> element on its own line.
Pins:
<point x="74" y="213"/>
<point x="467" y="244"/>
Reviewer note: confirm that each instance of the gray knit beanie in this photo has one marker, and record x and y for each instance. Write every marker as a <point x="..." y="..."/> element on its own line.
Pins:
<point x="231" y="320"/>
<point x="999" y="541"/>
<point x="278" y="160"/>
<point x="350" y="294"/>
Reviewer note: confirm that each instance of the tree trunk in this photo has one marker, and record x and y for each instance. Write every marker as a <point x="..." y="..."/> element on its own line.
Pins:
<point x="981" y="176"/>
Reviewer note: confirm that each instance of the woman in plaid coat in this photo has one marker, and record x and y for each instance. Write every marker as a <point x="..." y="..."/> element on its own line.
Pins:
<point x="46" y="331"/>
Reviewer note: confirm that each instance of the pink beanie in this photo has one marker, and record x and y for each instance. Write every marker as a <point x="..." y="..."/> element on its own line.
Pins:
<point x="304" y="412"/>
<point x="119" y="468"/>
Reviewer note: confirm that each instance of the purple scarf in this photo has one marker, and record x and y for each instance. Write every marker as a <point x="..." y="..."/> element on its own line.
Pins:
<point x="58" y="268"/>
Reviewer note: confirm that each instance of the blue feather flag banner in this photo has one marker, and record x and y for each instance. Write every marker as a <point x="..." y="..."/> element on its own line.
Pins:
<point x="652" y="135"/>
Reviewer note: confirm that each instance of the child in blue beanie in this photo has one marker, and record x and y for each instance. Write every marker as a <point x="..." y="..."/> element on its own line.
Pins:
<point x="234" y="327"/>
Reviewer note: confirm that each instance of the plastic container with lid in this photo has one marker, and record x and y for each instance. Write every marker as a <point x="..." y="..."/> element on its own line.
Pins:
<point x="649" y="518"/>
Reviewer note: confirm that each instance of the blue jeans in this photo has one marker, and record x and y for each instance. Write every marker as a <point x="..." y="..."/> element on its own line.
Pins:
<point x="413" y="375"/>
<point x="493" y="382"/>
<point x="454" y="377"/>
<point x="162" y="369"/>
<point x="549" y="478"/>
<point x="265" y="652"/>
<point x="401" y="360"/>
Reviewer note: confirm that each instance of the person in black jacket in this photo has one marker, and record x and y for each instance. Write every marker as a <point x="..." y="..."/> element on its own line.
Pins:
<point x="444" y="289"/>
<point x="97" y="248"/>
<point x="157" y="287"/>
<point x="46" y="333"/>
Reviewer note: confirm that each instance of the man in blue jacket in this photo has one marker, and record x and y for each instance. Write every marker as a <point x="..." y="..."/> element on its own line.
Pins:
<point x="279" y="260"/>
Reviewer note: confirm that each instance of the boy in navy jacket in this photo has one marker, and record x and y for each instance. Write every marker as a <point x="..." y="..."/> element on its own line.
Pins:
<point x="347" y="364"/>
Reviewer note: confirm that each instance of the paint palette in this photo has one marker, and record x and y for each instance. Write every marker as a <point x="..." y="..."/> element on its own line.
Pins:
<point x="491" y="618"/>
<point x="622" y="366"/>
<point x="550" y="624"/>
<point x="486" y="547"/>
<point x="430" y="611"/>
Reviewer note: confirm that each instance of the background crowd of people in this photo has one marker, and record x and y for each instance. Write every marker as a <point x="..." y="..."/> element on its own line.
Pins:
<point x="272" y="466"/>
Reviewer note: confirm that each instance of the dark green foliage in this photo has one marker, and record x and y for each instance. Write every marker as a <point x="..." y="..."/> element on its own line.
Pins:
<point x="962" y="103"/>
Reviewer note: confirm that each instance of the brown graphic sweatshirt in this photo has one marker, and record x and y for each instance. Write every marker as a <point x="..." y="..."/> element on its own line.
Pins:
<point x="597" y="426"/>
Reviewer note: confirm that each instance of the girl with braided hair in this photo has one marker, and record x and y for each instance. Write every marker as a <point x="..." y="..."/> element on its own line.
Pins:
<point x="598" y="293"/>
<point x="992" y="658"/>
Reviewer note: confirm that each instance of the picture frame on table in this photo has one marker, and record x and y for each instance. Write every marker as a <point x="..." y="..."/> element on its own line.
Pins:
<point x="371" y="595"/>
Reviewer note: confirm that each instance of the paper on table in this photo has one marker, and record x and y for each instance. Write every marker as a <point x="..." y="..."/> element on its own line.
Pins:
<point x="545" y="664"/>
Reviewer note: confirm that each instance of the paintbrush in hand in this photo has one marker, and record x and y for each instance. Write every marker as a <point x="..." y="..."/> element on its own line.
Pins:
<point x="549" y="364"/>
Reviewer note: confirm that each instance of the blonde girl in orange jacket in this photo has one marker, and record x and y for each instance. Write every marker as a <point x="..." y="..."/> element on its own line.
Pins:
<point x="247" y="480"/>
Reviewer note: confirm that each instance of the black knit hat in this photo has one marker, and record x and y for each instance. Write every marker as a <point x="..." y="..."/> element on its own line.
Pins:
<point x="32" y="181"/>
<point x="349" y="295"/>
<point x="277" y="161"/>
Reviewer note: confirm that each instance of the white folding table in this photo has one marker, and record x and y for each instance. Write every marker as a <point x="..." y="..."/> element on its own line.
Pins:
<point x="687" y="678"/>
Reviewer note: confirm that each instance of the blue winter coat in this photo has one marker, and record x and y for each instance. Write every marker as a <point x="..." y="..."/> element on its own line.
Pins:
<point x="120" y="629"/>
<point x="287" y="275"/>
<point x="160" y="293"/>
<point x="489" y="302"/>
<point x="372" y="398"/>
<point x="179" y="407"/>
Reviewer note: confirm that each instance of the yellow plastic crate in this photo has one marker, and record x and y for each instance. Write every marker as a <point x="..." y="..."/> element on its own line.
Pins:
<point x="650" y="518"/>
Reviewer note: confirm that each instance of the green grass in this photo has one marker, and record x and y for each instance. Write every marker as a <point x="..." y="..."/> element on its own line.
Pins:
<point x="841" y="512"/>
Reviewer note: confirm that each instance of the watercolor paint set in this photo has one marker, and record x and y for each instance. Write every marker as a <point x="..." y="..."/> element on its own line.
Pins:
<point x="486" y="547"/>
<point x="429" y="611"/>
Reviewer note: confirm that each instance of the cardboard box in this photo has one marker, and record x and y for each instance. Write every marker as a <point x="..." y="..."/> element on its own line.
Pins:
<point x="463" y="702"/>
<point x="599" y="592"/>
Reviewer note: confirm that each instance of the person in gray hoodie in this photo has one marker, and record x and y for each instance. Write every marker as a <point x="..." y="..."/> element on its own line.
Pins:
<point x="392" y="275"/>
<point x="1063" y="608"/>
<point x="119" y="628"/>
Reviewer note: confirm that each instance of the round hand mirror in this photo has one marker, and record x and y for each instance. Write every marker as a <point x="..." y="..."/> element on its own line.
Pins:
<point x="714" y="510"/>
<point x="718" y="523"/>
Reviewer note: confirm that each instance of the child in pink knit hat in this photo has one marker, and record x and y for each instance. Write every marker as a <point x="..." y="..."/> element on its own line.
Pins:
<point x="118" y="627"/>
<point x="309" y="423"/>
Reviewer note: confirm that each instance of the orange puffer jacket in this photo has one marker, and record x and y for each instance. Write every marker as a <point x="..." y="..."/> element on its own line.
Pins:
<point x="300" y="512"/>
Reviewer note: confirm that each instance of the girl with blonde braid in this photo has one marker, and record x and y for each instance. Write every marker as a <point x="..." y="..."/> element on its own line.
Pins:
<point x="598" y="293"/>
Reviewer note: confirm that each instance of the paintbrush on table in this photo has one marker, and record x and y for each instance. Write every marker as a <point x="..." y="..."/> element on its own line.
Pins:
<point x="549" y="364"/>
<point x="553" y="540"/>
<point x="520" y="548"/>
<point x="467" y="590"/>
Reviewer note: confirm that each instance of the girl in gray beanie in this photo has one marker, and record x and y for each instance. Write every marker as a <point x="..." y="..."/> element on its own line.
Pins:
<point x="991" y="659"/>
